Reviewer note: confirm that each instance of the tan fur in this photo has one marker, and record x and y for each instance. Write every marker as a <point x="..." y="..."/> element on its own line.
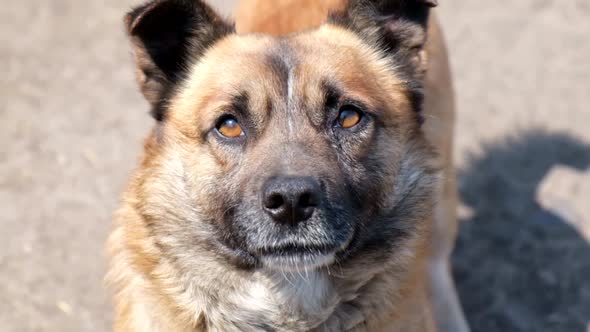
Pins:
<point x="157" y="292"/>
<point x="271" y="17"/>
<point x="439" y="113"/>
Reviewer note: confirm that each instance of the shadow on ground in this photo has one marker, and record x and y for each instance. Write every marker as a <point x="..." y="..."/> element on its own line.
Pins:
<point x="520" y="267"/>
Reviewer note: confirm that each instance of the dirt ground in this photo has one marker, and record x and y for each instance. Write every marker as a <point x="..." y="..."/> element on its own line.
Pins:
<point x="72" y="123"/>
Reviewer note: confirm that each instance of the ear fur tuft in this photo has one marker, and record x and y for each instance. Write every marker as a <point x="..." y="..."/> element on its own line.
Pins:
<point x="166" y="36"/>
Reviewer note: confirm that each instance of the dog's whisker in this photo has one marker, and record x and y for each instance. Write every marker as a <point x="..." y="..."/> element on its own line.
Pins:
<point x="306" y="274"/>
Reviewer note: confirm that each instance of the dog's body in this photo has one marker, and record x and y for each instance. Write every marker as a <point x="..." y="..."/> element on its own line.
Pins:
<point x="375" y="248"/>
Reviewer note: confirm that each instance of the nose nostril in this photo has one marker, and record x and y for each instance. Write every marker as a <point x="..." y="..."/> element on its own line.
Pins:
<point x="274" y="201"/>
<point x="290" y="200"/>
<point x="307" y="200"/>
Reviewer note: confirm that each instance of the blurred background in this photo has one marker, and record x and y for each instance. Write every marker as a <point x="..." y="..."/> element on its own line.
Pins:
<point x="72" y="121"/>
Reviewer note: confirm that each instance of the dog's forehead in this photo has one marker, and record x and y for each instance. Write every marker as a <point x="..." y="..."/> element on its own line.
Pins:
<point x="265" y="67"/>
<point x="328" y="50"/>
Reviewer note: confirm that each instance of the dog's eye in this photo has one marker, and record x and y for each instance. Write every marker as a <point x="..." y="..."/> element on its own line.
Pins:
<point x="349" y="116"/>
<point x="229" y="127"/>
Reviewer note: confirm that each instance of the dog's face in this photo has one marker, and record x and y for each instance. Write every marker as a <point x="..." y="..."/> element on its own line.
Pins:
<point x="281" y="153"/>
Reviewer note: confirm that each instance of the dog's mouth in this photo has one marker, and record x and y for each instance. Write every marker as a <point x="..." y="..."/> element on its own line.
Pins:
<point x="297" y="256"/>
<point x="297" y="249"/>
<point x="301" y="256"/>
<point x="310" y="244"/>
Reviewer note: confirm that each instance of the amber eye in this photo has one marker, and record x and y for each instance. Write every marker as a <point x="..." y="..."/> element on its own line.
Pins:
<point x="229" y="127"/>
<point x="349" y="116"/>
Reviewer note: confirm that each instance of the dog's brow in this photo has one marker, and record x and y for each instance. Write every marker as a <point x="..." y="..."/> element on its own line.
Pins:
<point x="332" y="93"/>
<point x="240" y="103"/>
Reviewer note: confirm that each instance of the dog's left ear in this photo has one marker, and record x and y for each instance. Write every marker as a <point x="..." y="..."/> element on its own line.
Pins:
<point x="397" y="27"/>
<point x="167" y="35"/>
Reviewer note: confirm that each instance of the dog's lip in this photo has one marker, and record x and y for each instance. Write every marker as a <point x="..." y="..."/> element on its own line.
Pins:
<point x="306" y="249"/>
<point x="298" y="249"/>
<point x="297" y="262"/>
<point x="299" y="255"/>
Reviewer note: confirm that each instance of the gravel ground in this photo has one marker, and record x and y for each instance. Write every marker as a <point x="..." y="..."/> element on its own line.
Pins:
<point x="73" y="123"/>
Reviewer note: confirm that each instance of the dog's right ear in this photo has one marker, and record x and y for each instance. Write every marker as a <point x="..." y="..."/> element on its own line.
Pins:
<point x="167" y="35"/>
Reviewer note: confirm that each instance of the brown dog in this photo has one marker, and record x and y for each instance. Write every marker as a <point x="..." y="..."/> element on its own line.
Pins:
<point x="289" y="184"/>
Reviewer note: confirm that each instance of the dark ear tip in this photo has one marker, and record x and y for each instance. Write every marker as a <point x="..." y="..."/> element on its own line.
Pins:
<point x="134" y="17"/>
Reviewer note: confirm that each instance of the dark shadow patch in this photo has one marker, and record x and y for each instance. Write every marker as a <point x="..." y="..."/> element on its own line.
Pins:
<point x="519" y="267"/>
<point x="277" y="64"/>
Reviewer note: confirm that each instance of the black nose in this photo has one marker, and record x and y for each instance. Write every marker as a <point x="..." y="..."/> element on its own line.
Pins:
<point x="291" y="199"/>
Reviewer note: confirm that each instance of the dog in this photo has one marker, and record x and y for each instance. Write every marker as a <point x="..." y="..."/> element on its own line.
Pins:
<point x="299" y="173"/>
